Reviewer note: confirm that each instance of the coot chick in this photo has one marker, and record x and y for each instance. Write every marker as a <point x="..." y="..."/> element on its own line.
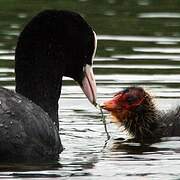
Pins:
<point x="52" y="45"/>
<point x="134" y="109"/>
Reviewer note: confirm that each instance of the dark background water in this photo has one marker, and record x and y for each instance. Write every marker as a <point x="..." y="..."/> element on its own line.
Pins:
<point x="138" y="44"/>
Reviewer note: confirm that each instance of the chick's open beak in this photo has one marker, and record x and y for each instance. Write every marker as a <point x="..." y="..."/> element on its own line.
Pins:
<point x="112" y="104"/>
<point x="109" y="105"/>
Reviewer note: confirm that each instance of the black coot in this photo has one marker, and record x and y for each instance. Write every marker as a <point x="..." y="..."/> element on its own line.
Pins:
<point x="52" y="45"/>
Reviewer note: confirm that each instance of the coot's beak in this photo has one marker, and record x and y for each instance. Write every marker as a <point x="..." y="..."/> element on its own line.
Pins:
<point x="88" y="84"/>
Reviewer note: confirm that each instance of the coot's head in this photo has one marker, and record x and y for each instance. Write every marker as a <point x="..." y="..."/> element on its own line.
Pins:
<point x="52" y="45"/>
<point x="127" y="103"/>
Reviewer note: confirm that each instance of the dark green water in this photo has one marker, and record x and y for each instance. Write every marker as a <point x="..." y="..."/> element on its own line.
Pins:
<point x="138" y="43"/>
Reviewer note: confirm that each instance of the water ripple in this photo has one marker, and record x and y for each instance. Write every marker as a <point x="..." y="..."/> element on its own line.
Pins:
<point x="138" y="38"/>
<point x="147" y="56"/>
<point x="159" y="15"/>
<point x="157" y="49"/>
<point x="115" y="66"/>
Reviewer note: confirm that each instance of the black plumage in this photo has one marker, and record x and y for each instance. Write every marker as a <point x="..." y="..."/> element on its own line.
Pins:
<point x="52" y="45"/>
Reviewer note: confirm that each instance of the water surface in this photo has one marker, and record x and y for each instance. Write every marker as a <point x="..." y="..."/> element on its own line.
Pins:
<point x="138" y="44"/>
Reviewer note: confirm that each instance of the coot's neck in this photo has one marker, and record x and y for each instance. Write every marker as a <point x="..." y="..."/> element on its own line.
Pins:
<point x="142" y="123"/>
<point x="43" y="88"/>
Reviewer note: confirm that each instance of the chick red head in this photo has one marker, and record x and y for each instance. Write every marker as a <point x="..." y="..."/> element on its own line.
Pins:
<point x="128" y="99"/>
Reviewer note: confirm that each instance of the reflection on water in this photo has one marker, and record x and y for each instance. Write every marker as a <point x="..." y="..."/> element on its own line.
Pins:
<point x="138" y="38"/>
<point x="159" y="15"/>
<point x="138" y="44"/>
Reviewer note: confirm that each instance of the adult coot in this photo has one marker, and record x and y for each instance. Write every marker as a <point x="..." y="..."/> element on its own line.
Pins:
<point x="52" y="45"/>
<point x="134" y="109"/>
